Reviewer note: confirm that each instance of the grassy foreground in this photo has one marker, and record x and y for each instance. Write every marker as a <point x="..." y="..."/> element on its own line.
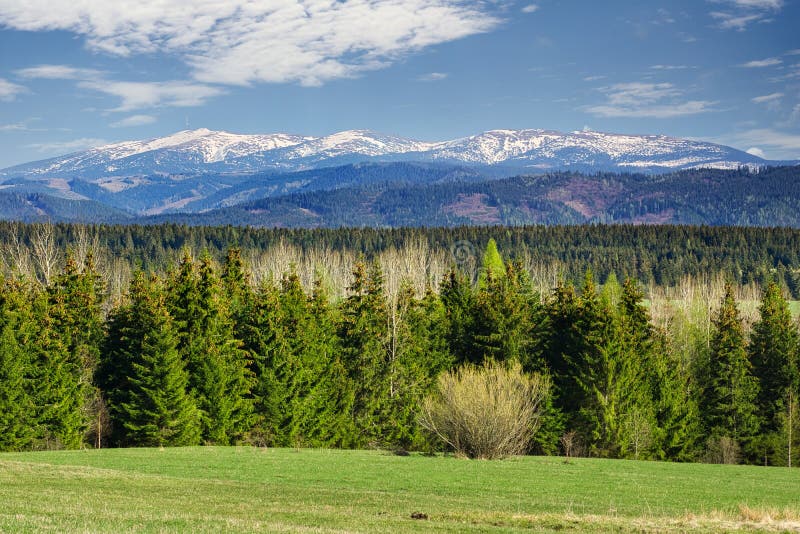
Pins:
<point x="216" y="489"/>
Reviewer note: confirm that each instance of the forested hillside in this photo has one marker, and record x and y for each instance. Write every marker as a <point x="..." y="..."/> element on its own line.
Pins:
<point x="770" y="197"/>
<point x="414" y="194"/>
<point x="222" y="353"/>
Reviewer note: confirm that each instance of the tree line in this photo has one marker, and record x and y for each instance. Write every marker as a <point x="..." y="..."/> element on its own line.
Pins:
<point x="204" y="354"/>
<point x="654" y="255"/>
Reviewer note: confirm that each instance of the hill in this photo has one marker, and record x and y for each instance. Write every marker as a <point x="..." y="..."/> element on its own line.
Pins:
<point x="419" y="194"/>
<point x="770" y="197"/>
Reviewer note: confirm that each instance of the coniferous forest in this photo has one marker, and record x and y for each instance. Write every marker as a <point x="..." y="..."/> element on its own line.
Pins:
<point x="332" y="338"/>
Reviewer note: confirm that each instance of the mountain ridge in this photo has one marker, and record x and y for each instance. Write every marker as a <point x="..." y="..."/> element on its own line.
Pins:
<point x="206" y="151"/>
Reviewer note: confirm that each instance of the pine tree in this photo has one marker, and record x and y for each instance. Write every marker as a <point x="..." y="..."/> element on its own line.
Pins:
<point x="363" y="333"/>
<point x="617" y="409"/>
<point x="224" y="379"/>
<point x="16" y="406"/>
<point x="492" y="264"/>
<point x="563" y="341"/>
<point x="729" y="400"/>
<point x="219" y="370"/>
<point x="458" y="299"/>
<point x="262" y="333"/>
<point x="773" y="353"/>
<point x="120" y="348"/>
<point x="158" y="410"/>
<point x="331" y="397"/>
<point x="509" y="319"/>
<point x="75" y="308"/>
<point x="56" y="390"/>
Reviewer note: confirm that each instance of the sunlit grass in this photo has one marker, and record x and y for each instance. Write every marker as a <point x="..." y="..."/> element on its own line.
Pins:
<point x="283" y="490"/>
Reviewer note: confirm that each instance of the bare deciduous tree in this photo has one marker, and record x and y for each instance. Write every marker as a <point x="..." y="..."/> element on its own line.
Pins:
<point x="45" y="253"/>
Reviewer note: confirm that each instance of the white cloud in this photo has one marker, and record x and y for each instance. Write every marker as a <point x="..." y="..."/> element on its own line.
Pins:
<point x="64" y="147"/>
<point x="530" y="8"/>
<point x="758" y="4"/>
<point x="58" y="72"/>
<point x="775" y="144"/>
<point x="663" y="17"/>
<point x="795" y="52"/>
<point x="16" y="127"/>
<point x="728" y="21"/>
<point x="433" y="77"/>
<point x="739" y="14"/>
<point x="761" y="63"/>
<point x="757" y="152"/>
<point x="244" y="41"/>
<point x="9" y="91"/>
<point x="133" y="95"/>
<point x="671" y="67"/>
<point x="647" y="100"/>
<point x="594" y="78"/>
<point x="772" y="101"/>
<point x="791" y="72"/>
<point x="139" y="95"/>
<point x="133" y="120"/>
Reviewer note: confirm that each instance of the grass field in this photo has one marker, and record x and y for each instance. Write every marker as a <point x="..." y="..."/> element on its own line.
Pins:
<point x="217" y="489"/>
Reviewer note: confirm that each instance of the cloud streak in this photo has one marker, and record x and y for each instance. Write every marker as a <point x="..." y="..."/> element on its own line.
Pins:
<point x="240" y="42"/>
<point x="58" y="72"/>
<point x="761" y="63"/>
<point x="9" y="91"/>
<point x="647" y="100"/>
<point x="133" y="120"/>
<point x="65" y="147"/>
<point x="766" y="99"/>
<point x="433" y="77"/>
<point x="139" y="95"/>
<point x="739" y="14"/>
<point x="132" y="95"/>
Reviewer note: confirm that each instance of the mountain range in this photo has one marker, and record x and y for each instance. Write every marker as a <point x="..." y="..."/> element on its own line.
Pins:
<point x="206" y="151"/>
<point x="204" y="175"/>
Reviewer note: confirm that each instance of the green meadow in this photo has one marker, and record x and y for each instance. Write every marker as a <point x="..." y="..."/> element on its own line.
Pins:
<point x="242" y="489"/>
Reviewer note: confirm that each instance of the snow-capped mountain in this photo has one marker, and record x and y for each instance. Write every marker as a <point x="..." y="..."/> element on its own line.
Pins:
<point x="205" y="151"/>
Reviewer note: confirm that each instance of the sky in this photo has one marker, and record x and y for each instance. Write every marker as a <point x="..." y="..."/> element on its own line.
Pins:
<point x="81" y="73"/>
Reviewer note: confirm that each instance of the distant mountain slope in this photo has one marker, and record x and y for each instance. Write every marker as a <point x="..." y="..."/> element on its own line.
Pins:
<point x="204" y="151"/>
<point x="159" y="193"/>
<point x="37" y="207"/>
<point x="704" y="196"/>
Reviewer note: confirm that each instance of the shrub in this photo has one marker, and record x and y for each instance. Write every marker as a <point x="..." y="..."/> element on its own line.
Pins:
<point x="489" y="411"/>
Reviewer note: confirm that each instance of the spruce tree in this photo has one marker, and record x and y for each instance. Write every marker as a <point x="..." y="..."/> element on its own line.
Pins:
<point x="509" y="319"/>
<point x="220" y="377"/>
<point x="224" y="379"/>
<point x="617" y="409"/>
<point x="363" y="333"/>
<point x="729" y="400"/>
<point x="158" y="410"/>
<point x="75" y="307"/>
<point x="459" y="303"/>
<point x="332" y="394"/>
<point x="773" y="353"/>
<point x="16" y="423"/>
<point x="563" y="341"/>
<point x="55" y="378"/>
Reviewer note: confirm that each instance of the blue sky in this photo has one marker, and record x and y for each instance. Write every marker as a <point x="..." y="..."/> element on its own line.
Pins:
<point x="75" y="74"/>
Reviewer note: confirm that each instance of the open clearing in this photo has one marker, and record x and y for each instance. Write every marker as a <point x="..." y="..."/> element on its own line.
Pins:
<point x="227" y="489"/>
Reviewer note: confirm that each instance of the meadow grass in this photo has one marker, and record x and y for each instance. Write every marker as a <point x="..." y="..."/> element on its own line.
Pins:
<point x="242" y="489"/>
